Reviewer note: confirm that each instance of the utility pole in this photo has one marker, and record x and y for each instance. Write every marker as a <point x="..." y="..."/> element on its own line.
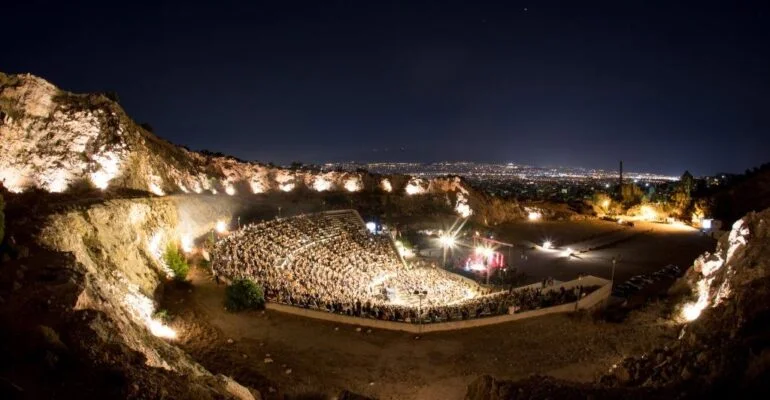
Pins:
<point x="620" y="181"/>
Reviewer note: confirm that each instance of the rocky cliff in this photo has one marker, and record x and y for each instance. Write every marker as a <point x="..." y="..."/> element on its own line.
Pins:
<point x="78" y="305"/>
<point x="56" y="141"/>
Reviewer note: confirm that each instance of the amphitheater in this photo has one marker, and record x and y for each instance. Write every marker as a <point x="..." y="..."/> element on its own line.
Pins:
<point x="90" y="308"/>
<point x="330" y="262"/>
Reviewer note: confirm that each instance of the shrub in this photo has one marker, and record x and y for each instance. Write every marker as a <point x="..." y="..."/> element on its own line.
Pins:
<point x="244" y="294"/>
<point x="162" y="315"/>
<point x="176" y="262"/>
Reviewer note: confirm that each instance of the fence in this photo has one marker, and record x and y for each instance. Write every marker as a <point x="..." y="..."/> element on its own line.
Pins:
<point x="588" y="302"/>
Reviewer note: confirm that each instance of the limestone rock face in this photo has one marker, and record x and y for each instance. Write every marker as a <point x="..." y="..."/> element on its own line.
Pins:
<point x="53" y="140"/>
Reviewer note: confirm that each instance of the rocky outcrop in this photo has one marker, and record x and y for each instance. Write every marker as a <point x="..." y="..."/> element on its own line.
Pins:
<point x="54" y="140"/>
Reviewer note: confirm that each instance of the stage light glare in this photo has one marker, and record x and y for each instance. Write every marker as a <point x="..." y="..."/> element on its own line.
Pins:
<point x="446" y="240"/>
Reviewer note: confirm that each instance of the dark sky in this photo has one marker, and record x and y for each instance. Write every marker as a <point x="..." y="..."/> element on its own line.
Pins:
<point x="663" y="86"/>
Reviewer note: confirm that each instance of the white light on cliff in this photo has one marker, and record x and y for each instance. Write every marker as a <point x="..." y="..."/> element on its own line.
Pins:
<point x="708" y="265"/>
<point x="154" y="185"/>
<point x="462" y="208"/>
<point x="386" y="186"/>
<point x="196" y="187"/>
<point x="108" y="163"/>
<point x="257" y="187"/>
<point x="414" y="187"/>
<point x="142" y="308"/>
<point x="221" y="226"/>
<point x="12" y="180"/>
<point x="187" y="243"/>
<point x="154" y="188"/>
<point x="287" y="187"/>
<point x="534" y="216"/>
<point x="56" y="181"/>
<point x="229" y="189"/>
<point x="154" y="244"/>
<point x="321" y="184"/>
<point x="353" y="185"/>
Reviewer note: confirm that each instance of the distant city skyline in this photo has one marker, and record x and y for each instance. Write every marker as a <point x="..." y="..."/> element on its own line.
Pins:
<point x="510" y="170"/>
<point x="665" y="87"/>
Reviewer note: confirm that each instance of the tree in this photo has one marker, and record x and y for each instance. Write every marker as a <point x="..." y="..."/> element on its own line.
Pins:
<point x="244" y="294"/>
<point x="176" y="262"/>
<point x="631" y="194"/>
<point x="687" y="182"/>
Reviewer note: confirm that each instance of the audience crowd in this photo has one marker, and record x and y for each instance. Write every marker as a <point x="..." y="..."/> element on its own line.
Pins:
<point x="330" y="262"/>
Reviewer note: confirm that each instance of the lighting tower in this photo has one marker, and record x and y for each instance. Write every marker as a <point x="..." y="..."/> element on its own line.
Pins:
<point x="620" y="181"/>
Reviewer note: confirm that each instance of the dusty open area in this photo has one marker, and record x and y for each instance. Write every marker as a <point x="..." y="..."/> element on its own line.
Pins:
<point x="310" y="356"/>
<point x="326" y="357"/>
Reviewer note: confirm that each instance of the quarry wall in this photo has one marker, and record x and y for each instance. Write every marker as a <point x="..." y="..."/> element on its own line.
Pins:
<point x="118" y="244"/>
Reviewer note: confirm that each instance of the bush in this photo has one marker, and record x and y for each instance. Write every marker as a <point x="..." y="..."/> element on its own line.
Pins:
<point x="162" y="315"/>
<point x="176" y="262"/>
<point x="244" y="294"/>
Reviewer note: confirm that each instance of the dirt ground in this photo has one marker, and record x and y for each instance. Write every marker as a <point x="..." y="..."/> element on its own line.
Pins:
<point x="325" y="358"/>
<point x="316" y="357"/>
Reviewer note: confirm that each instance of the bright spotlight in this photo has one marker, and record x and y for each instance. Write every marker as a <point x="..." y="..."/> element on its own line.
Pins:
<point x="606" y="203"/>
<point x="485" y="251"/>
<point x="221" y="226"/>
<point x="547" y="245"/>
<point x="371" y="226"/>
<point x="447" y="241"/>
<point x="568" y="252"/>
<point x="534" y="215"/>
<point x="187" y="243"/>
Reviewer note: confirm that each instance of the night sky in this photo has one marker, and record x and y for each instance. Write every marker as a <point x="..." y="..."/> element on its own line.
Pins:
<point x="665" y="87"/>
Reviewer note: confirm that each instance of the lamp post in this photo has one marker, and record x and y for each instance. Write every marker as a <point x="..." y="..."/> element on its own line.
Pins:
<point x="579" y="292"/>
<point x="279" y="212"/>
<point x="612" y="277"/>
<point x="420" y="294"/>
<point x="239" y="223"/>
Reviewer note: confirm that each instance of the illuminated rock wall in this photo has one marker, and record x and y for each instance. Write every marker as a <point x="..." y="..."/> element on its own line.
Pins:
<point x="119" y="246"/>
